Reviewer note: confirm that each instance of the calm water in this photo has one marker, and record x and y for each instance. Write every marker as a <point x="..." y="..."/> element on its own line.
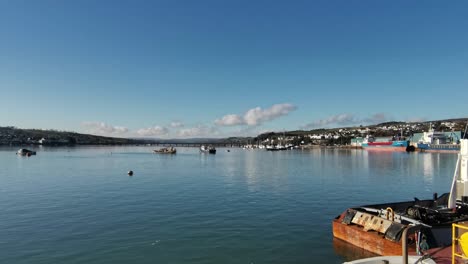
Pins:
<point x="77" y="205"/>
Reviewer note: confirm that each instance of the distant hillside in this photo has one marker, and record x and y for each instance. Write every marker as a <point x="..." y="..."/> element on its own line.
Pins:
<point x="197" y="141"/>
<point x="17" y="136"/>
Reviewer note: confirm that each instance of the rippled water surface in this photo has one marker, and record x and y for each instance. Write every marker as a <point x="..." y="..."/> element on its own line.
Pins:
<point x="78" y="205"/>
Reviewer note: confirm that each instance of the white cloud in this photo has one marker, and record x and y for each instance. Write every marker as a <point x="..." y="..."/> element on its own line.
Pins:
<point x="101" y="128"/>
<point x="256" y="116"/>
<point x="347" y="119"/>
<point x="416" y="119"/>
<point x="247" y="131"/>
<point x="176" y="124"/>
<point x="198" y="131"/>
<point x="153" y="131"/>
<point x="376" y="119"/>
<point x="230" y="120"/>
<point x="341" y="119"/>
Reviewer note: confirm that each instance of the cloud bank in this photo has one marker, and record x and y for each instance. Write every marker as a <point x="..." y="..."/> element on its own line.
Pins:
<point x="230" y="120"/>
<point x="101" y="128"/>
<point x="198" y="131"/>
<point x="176" y="124"/>
<point x="347" y="119"/>
<point x="416" y="119"/>
<point x="340" y="120"/>
<point x="256" y="116"/>
<point x="153" y="131"/>
<point x="376" y="118"/>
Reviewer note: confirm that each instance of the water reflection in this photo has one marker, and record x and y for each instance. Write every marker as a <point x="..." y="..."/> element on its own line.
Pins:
<point x="251" y="169"/>
<point x="428" y="165"/>
<point x="350" y="252"/>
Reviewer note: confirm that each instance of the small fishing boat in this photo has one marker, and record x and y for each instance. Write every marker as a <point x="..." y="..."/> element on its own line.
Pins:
<point x="25" y="152"/>
<point x="276" y="148"/>
<point x="168" y="150"/>
<point x="208" y="149"/>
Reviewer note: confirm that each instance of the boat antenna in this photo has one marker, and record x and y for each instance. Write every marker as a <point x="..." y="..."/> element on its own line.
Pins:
<point x="464" y="133"/>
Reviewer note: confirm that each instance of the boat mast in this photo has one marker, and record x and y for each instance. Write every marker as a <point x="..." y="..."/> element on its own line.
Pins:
<point x="466" y="126"/>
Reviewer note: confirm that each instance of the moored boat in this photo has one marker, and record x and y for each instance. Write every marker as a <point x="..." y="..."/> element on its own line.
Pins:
<point x="428" y="147"/>
<point x="392" y="144"/>
<point x="208" y="149"/>
<point x="276" y="148"/>
<point x="168" y="150"/>
<point x="433" y="141"/>
<point x="25" y="152"/>
<point x="379" y="228"/>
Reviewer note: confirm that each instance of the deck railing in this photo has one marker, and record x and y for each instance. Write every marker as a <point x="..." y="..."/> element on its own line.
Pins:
<point x="459" y="244"/>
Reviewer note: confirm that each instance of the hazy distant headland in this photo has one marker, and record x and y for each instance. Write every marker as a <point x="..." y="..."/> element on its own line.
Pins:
<point x="13" y="136"/>
<point x="322" y="136"/>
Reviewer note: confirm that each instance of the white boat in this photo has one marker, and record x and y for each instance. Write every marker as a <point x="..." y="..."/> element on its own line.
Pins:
<point x="25" y="152"/>
<point x="439" y="141"/>
<point x="208" y="149"/>
<point x="275" y="148"/>
<point x="279" y="146"/>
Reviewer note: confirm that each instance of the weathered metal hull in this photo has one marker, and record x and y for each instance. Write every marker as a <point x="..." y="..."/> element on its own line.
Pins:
<point x="439" y="147"/>
<point x="371" y="241"/>
<point x="397" y="145"/>
<point x="384" y="148"/>
<point x="165" y="152"/>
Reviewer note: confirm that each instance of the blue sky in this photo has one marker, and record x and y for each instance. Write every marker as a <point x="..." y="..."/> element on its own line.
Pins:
<point x="228" y="68"/>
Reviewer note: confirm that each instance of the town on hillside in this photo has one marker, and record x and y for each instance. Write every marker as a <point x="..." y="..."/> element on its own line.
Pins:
<point x="349" y="135"/>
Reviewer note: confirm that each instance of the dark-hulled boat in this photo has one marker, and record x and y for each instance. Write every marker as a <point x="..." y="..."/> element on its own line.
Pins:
<point x="208" y="149"/>
<point x="378" y="228"/>
<point x="25" y="152"/>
